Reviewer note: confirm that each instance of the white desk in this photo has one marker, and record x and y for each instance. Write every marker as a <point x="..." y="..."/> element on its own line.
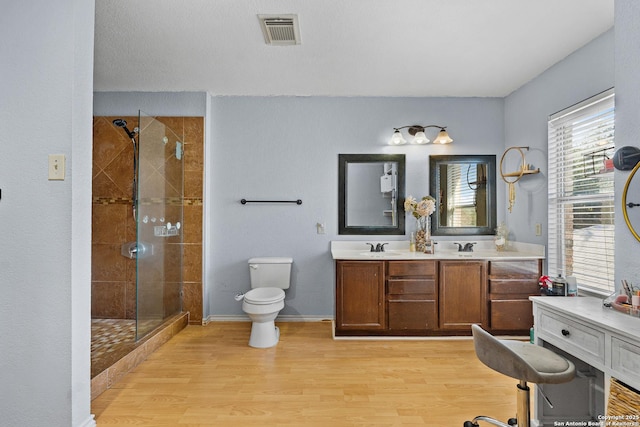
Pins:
<point x="602" y="342"/>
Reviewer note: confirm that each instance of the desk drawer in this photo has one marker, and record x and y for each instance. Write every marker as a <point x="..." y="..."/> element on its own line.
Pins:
<point x="576" y="338"/>
<point x="625" y="360"/>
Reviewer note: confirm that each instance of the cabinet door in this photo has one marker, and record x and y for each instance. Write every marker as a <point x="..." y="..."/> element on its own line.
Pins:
<point x="360" y="295"/>
<point x="511" y="314"/>
<point x="413" y="314"/>
<point x="462" y="298"/>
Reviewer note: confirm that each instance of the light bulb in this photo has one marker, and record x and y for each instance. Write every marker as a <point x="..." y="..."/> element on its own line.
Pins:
<point x="443" y="138"/>
<point x="420" y="138"/>
<point x="397" y="139"/>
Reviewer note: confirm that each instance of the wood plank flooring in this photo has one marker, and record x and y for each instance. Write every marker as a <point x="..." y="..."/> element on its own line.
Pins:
<point x="209" y="376"/>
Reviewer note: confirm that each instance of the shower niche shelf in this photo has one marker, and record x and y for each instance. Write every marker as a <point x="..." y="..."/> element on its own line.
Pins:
<point x="166" y="230"/>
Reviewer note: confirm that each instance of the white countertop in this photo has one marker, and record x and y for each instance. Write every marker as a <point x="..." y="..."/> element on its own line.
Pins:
<point x="399" y="250"/>
<point x="591" y="311"/>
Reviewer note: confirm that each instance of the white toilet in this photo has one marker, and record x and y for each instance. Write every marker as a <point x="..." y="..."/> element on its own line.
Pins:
<point x="269" y="277"/>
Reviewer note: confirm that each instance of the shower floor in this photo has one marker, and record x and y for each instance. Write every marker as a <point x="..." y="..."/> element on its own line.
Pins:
<point x="111" y="340"/>
<point x="114" y="350"/>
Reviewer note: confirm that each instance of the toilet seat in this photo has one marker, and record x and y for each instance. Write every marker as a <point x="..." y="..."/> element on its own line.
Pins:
<point x="264" y="296"/>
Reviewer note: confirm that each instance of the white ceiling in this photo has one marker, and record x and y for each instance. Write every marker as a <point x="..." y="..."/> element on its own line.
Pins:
<point x="349" y="47"/>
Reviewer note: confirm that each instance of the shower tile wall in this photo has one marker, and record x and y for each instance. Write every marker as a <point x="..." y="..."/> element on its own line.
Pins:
<point x="113" y="291"/>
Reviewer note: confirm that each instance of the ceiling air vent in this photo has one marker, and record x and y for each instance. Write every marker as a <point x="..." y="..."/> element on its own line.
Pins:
<point x="280" y="30"/>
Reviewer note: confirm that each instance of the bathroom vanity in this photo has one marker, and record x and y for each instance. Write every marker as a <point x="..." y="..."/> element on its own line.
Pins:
<point x="603" y="344"/>
<point x="403" y="293"/>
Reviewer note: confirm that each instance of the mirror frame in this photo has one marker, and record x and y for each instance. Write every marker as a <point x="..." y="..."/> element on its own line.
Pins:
<point x="435" y="162"/>
<point x="343" y="161"/>
<point x="629" y="205"/>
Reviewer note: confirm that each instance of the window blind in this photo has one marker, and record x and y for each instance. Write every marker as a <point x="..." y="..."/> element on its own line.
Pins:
<point x="581" y="193"/>
<point x="461" y="195"/>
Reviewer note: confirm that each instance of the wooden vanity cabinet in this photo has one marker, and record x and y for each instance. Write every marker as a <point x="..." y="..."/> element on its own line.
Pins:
<point x="412" y="296"/>
<point x="434" y="297"/>
<point x="510" y="285"/>
<point x="360" y="296"/>
<point x="462" y="294"/>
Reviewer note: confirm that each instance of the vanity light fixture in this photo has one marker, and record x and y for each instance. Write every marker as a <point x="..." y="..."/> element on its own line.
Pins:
<point x="419" y="137"/>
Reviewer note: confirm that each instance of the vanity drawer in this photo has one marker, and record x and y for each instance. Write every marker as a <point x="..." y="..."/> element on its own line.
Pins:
<point x="576" y="338"/>
<point x="625" y="360"/>
<point x="521" y="268"/>
<point x="411" y="268"/>
<point x="523" y="287"/>
<point x="411" y="286"/>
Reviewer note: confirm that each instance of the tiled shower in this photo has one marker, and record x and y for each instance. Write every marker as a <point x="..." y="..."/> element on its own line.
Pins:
<point x="113" y="282"/>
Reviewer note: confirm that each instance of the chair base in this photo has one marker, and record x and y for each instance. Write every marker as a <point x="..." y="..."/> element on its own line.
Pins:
<point x="522" y="415"/>
<point x="489" y="420"/>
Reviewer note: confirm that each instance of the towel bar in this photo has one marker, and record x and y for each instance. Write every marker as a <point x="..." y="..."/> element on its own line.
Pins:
<point x="245" y="201"/>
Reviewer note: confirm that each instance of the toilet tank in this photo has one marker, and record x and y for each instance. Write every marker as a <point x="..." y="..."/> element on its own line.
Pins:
<point x="272" y="272"/>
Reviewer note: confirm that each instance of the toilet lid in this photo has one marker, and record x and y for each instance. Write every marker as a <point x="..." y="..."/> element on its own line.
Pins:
<point x="264" y="295"/>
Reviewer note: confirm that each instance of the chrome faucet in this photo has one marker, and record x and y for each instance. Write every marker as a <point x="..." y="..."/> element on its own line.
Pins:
<point x="468" y="247"/>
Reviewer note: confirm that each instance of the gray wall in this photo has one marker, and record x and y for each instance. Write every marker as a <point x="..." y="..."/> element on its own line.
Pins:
<point x="45" y="226"/>
<point x="189" y="104"/>
<point x="627" y="64"/>
<point x="582" y="74"/>
<point x="287" y="148"/>
<point x="301" y="138"/>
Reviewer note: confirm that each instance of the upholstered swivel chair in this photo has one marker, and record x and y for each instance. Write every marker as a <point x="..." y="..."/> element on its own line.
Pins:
<point x="523" y="361"/>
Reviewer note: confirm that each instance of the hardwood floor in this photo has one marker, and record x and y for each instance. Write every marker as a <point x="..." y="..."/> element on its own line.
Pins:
<point x="209" y="376"/>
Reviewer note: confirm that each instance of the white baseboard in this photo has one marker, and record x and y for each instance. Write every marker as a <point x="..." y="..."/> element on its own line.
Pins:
<point x="282" y="318"/>
<point x="89" y="422"/>
<point x="298" y="318"/>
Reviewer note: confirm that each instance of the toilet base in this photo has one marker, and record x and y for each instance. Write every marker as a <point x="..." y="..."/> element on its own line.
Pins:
<point x="264" y="334"/>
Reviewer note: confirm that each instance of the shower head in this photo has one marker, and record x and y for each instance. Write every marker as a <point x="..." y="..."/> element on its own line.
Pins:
<point x="123" y="124"/>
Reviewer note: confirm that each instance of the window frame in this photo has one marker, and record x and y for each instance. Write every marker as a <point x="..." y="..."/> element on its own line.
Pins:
<point x="581" y="201"/>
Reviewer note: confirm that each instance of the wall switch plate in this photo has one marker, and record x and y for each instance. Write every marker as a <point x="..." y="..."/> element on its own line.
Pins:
<point x="56" y="167"/>
<point x="320" y="227"/>
<point x="538" y="229"/>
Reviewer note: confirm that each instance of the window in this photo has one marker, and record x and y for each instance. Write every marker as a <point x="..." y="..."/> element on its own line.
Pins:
<point x="462" y="183"/>
<point x="581" y="198"/>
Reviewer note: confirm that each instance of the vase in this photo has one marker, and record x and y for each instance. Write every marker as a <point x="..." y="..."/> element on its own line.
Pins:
<point x="500" y="239"/>
<point x="423" y="232"/>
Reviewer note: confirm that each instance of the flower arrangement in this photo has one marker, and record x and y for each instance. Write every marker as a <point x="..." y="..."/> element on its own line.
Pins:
<point x="421" y="211"/>
<point x="423" y="208"/>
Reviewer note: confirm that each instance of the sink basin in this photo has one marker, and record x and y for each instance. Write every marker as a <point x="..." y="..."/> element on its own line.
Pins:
<point x="380" y="254"/>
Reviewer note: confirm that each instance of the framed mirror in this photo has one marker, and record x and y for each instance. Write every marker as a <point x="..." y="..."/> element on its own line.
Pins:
<point x="464" y="187"/>
<point x="629" y="208"/>
<point x="371" y="193"/>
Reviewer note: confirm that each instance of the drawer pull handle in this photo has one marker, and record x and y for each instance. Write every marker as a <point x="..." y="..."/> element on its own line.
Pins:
<point x="566" y="333"/>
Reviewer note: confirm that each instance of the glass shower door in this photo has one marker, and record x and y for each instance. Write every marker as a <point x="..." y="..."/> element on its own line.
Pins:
<point x="159" y="224"/>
